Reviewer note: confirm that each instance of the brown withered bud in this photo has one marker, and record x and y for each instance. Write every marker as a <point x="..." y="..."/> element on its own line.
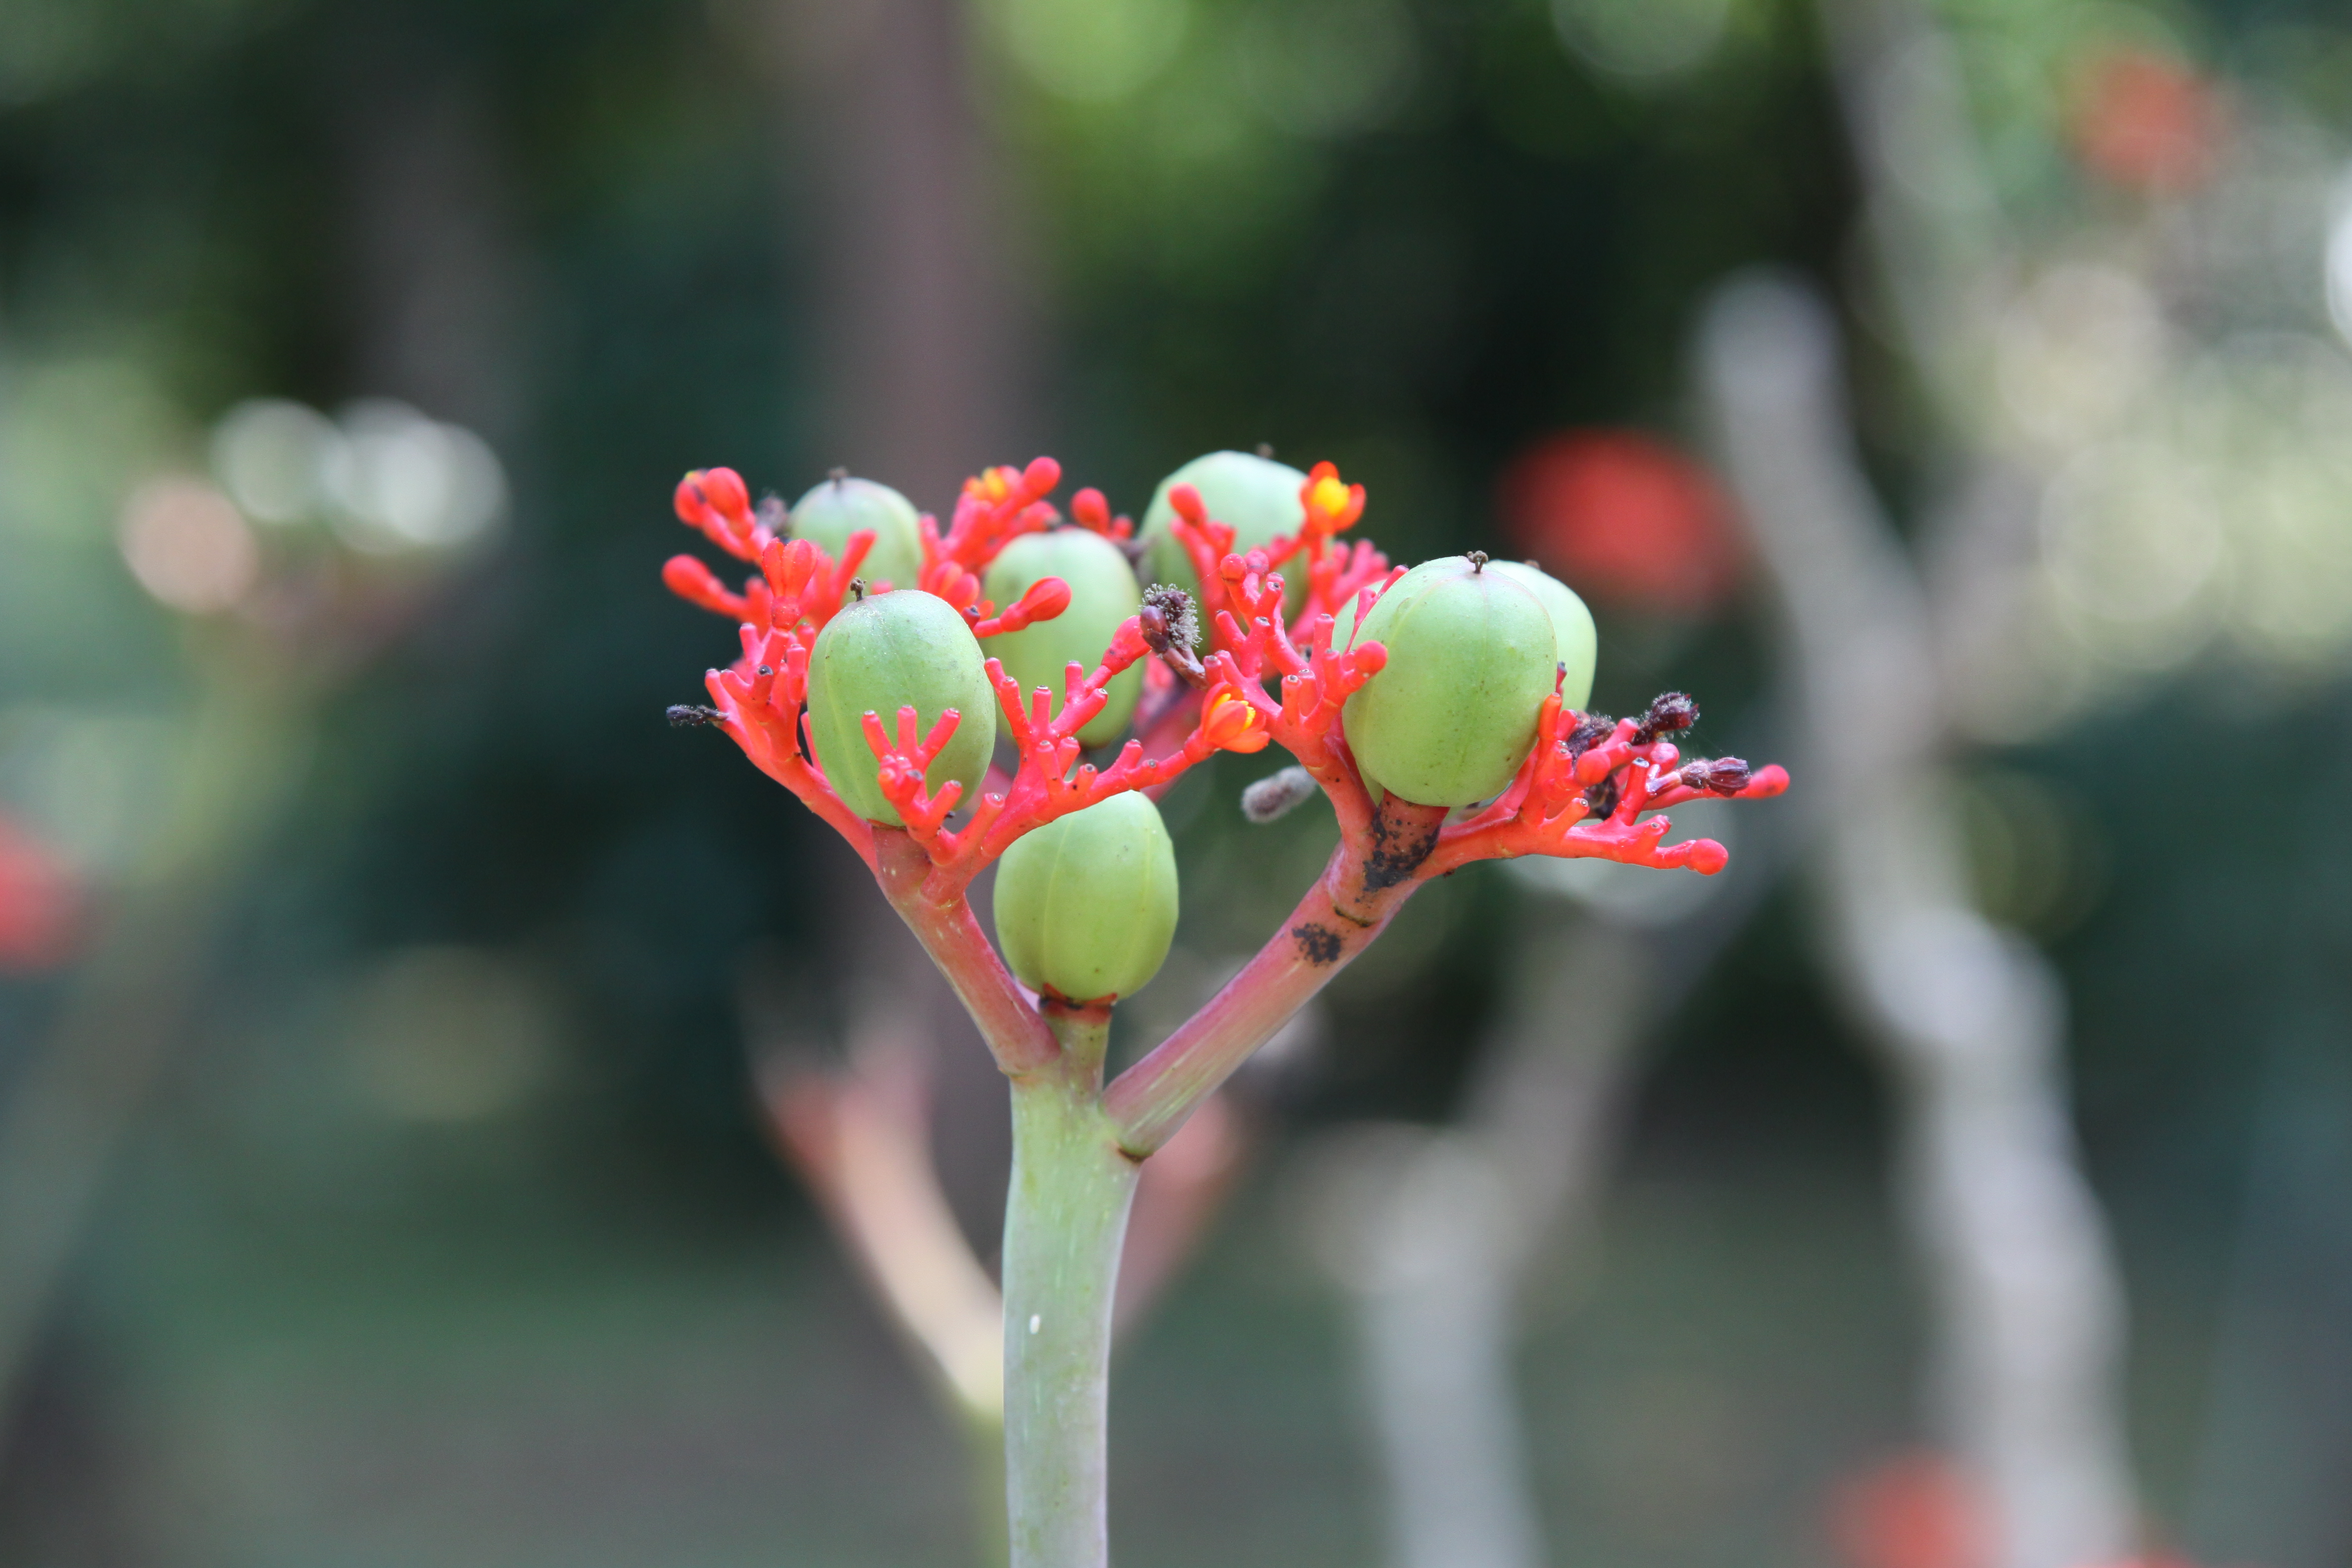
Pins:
<point x="1588" y="734"/>
<point x="685" y="715"/>
<point x="1170" y="626"/>
<point x="773" y="515"/>
<point x="1668" y="714"/>
<point x="1277" y="795"/>
<point x="1723" y="775"/>
<point x="1602" y="798"/>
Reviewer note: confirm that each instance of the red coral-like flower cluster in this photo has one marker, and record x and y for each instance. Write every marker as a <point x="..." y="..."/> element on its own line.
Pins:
<point x="1584" y="790"/>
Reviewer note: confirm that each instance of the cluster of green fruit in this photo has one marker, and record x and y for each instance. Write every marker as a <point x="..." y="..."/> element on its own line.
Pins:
<point x="1474" y="649"/>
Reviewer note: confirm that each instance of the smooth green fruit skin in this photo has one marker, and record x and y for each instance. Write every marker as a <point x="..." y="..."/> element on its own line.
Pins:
<point x="1086" y="905"/>
<point x="1451" y="715"/>
<point x="835" y="508"/>
<point x="1575" y="643"/>
<point x="1103" y="593"/>
<point x="1258" y="497"/>
<point x="883" y="652"/>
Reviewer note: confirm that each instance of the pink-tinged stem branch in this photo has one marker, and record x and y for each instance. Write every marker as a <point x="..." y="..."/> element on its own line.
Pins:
<point x="1350" y="905"/>
<point x="1016" y="1036"/>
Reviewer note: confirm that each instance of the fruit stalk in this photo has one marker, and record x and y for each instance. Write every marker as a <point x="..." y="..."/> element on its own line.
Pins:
<point x="1017" y="1037"/>
<point x="1065" y="1223"/>
<point x="1351" y="904"/>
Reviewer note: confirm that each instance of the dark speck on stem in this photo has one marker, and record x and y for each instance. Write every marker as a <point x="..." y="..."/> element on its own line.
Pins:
<point x="1318" y="944"/>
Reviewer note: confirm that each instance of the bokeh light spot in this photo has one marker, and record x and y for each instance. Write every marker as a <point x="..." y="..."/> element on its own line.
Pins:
<point x="1641" y="38"/>
<point x="271" y="455"/>
<point x="188" y="545"/>
<point x="1093" y="52"/>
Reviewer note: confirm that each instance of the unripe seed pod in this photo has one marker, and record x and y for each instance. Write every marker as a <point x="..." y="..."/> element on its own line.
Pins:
<point x="1575" y="643"/>
<point x="1451" y="715"/>
<point x="1256" y="497"/>
<point x="1086" y="905"/>
<point x="885" y="652"/>
<point x="839" y="507"/>
<point x="1103" y="593"/>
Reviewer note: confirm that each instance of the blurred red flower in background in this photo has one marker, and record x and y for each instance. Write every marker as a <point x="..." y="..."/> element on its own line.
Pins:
<point x="40" y="904"/>
<point x="2147" y="121"/>
<point x="1914" y="1511"/>
<point x="1622" y="517"/>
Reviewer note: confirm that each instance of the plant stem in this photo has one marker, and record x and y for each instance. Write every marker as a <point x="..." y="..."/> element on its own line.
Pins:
<point x="1016" y="1037"/>
<point x="1351" y="904"/>
<point x="1065" y="1222"/>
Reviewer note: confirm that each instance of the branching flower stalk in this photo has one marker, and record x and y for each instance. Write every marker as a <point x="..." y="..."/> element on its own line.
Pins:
<point x="1521" y="770"/>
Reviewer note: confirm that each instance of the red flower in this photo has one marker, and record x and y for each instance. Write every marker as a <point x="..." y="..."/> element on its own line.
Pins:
<point x="40" y="904"/>
<point x="1914" y="1511"/>
<point x="1621" y="516"/>
<point x="2149" y="122"/>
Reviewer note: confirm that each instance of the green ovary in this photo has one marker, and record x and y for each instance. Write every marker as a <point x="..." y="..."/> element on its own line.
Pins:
<point x="1103" y="593"/>
<point x="1256" y="497"/>
<point x="1471" y="656"/>
<point x="835" y="508"/>
<point x="887" y="651"/>
<point x="1086" y="906"/>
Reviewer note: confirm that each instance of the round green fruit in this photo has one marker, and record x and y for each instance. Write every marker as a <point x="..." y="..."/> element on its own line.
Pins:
<point x="1103" y="593"/>
<point x="1575" y="644"/>
<point x="1086" y="905"/>
<point x="1256" y="497"/>
<point x="889" y="651"/>
<point x="1451" y="715"/>
<point x="837" y="508"/>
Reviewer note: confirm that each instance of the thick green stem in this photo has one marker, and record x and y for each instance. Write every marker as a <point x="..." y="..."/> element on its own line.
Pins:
<point x="1064" y="1221"/>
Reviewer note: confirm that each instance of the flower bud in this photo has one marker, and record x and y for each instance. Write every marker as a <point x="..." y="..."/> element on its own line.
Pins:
<point x="1576" y="644"/>
<point x="1256" y="497"/>
<point x="1451" y="715"/>
<point x="885" y="652"/>
<point x="840" y="506"/>
<point x="1103" y="593"/>
<point x="1086" y="906"/>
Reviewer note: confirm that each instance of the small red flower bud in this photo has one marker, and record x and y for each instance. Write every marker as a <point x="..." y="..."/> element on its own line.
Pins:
<point x="725" y="490"/>
<point x="690" y="580"/>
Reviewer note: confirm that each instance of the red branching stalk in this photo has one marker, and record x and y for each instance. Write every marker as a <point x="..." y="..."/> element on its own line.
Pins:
<point x="995" y="509"/>
<point x="1556" y="805"/>
<point x="1583" y="791"/>
<point x="1047" y="745"/>
<point x="1586" y="790"/>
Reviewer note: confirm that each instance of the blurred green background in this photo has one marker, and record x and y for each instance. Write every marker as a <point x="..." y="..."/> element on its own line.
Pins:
<point x="425" y="1214"/>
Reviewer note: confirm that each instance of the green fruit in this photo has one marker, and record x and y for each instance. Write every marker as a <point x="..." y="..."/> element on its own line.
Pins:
<point x="838" y="508"/>
<point x="1103" y="593"/>
<point x="1451" y="715"/>
<point x="1256" y="497"/>
<point x="885" y="652"/>
<point x="1086" y="904"/>
<point x="1575" y="643"/>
